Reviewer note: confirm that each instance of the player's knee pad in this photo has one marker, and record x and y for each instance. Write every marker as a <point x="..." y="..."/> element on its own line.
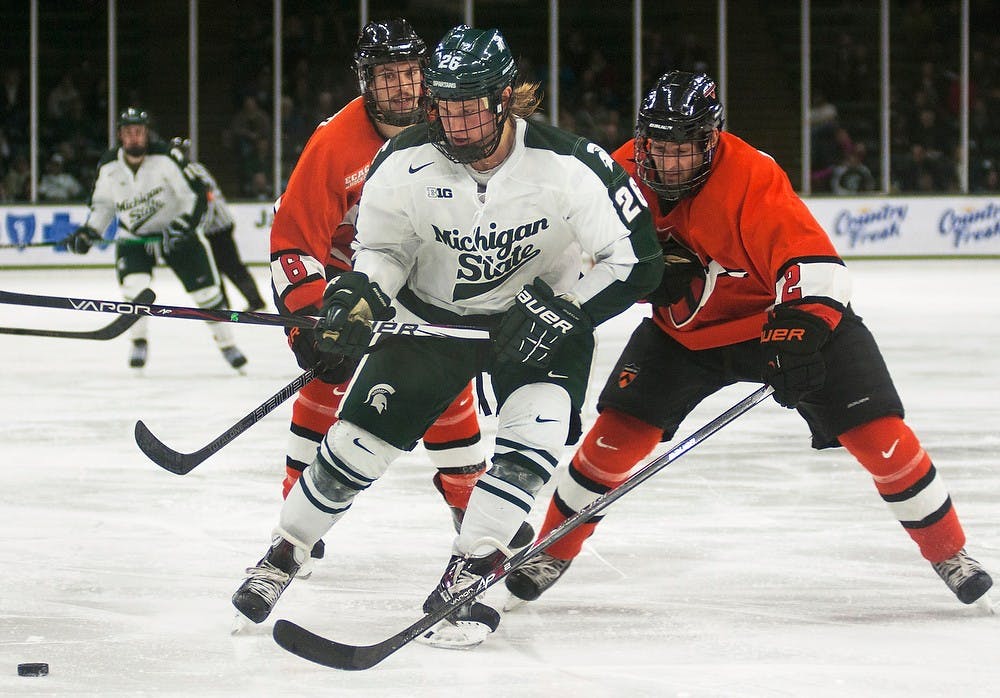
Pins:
<point x="349" y="460"/>
<point x="534" y="422"/>
<point x="132" y="284"/>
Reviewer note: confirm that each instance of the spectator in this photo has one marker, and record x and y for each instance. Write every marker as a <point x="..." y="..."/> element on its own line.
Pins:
<point x="250" y="124"/>
<point x="935" y="136"/>
<point x="57" y="184"/>
<point x="14" y="106"/>
<point x="260" y="188"/>
<point x="922" y="173"/>
<point x="987" y="180"/>
<point x="61" y="96"/>
<point x="17" y="181"/>
<point x="852" y="176"/>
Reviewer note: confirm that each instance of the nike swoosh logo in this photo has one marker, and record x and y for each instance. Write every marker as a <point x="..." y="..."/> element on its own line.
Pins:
<point x="557" y="376"/>
<point x="543" y="421"/>
<point x="600" y="443"/>
<point x="357" y="442"/>
<point x="414" y="170"/>
<point x="892" y="449"/>
<point x="338" y="391"/>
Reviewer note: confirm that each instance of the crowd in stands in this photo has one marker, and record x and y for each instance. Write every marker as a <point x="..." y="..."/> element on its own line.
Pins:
<point x="924" y="103"/>
<point x="595" y="101"/>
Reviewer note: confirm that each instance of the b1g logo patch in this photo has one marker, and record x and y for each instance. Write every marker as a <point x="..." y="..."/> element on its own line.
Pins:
<point x="627" y="375"/>
<point x="439" y="193"/>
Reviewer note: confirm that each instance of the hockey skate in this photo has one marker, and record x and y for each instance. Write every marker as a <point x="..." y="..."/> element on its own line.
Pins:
<point x="307" y="567"/>
<point x="262" y="588"/>
<point x="522" y="539"/>
<point x="966" y="578"/>
<point x="235" y="357"/>
<point x="469" y="625"/>
<point x="140" y="350"/>
<point x="527" y="582"/>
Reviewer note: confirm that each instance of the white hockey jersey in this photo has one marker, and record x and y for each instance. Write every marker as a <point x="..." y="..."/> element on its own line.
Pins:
<point x="148" y="199"/>
<point x="422" y="223"/>
<point x="218" y="217"/>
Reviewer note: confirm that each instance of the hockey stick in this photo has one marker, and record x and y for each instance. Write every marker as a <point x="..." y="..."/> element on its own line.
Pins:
<point x="102" y="242"/>
<point x="27" y="245"/>
<point x="110" y="331"/>
<point x="336" y="655"/>
<point x="245" y="317"/>
<point x="183" y="463"/>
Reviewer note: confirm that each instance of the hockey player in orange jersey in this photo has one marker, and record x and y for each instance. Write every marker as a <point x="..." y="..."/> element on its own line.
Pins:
<point x="311" y="243"/>
<point x="753" y="290"/>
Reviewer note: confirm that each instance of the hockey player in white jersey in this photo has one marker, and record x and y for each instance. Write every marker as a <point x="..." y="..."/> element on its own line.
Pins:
<point x="477" y="218"/>
<point x="147" y="187"/>
<point x="219" y="228"/>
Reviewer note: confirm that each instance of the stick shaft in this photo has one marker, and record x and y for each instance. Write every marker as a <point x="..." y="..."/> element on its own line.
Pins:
<point x="244" y="317"/>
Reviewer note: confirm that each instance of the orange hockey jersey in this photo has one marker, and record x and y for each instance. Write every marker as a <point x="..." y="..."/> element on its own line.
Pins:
<point x="313" y="224"/>
<point x="759" y="245"/>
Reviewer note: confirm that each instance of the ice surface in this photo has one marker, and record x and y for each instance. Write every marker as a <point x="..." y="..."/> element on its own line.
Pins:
<point x="753" y="566"/>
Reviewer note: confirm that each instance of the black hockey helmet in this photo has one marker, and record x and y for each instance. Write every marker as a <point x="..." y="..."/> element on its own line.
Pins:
<point x="470" y="64"/>
<point x="391" y="41"/>
<point x="133" y="116"/>
<point x="681" y="108"/>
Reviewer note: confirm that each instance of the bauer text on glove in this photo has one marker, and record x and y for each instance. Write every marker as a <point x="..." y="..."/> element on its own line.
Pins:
<point x="793" y="365"/>
<point x="536" y="325"/>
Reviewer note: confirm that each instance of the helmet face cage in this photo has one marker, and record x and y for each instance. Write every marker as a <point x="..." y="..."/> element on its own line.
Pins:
<point x="469" y="71"/>
<point x="134" y="116"/>
<point x="682" y="110"/>
<point x="394" y="97"/>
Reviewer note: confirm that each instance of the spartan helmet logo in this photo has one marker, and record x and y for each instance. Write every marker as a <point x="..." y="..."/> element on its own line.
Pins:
<point x="378" y="397"/>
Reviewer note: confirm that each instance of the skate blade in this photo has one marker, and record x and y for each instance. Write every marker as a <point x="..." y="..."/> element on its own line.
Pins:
<point x="306" y="569"/>
<point x="240" y="624"/>
<point x="513" y="603"/>
<point x="986" y="605"/>
<point x="462" y="635"/>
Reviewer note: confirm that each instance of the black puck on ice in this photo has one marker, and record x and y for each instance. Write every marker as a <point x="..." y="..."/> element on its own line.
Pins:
<point x="33" y="669"/>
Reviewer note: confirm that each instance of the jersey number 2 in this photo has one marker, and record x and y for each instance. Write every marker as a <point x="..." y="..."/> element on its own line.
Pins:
<point x="792" y="290"/>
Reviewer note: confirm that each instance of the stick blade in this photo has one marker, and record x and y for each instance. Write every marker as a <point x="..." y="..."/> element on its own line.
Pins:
<point x="328" y="653"/>
<point x="161" y="454"/>
<point x="110" y="331"/>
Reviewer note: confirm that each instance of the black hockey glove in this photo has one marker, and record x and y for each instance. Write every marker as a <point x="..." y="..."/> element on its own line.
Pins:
<point x="329" y="368"/>
<point x="351" y="303"/>
<point x="681" y="266"/>
<point x="531" y="331"/>
<point x="791" y="342"/>
<point x="81" y="240"/>
<point x="176" y="231"/>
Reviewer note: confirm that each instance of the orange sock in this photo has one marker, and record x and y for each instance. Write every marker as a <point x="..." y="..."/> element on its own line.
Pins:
<point x="313" y="413"/>
<point x="456" y="487"/>
<point x="908" y="482"/>
<point x="609" y="452"/>
<point x="458" y="423"/>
